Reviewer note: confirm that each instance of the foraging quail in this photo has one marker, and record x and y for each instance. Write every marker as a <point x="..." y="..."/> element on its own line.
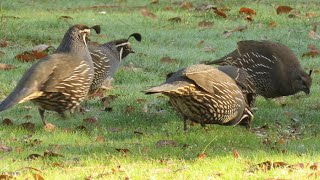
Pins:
<point x="60" y="81"/>
<point x="205" y="95"/>
<point x="107" y="58"/>
<point x="273" y="67"/>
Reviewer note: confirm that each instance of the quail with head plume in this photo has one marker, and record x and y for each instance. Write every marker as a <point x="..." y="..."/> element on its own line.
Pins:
<point x="205" y="95"/>
<point x="273" y="67"/>
<point x="107" y="58"/>
<point x="60" y="81"/>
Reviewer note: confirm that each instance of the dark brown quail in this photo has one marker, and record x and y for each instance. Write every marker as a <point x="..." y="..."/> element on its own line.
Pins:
<point x="273" y="67"/>
<point x="107" y="58"/>
<point x="205" y="95"/>
<point x="60" y="81"/>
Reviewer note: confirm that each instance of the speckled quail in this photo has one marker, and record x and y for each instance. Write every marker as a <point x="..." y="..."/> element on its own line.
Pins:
<point x="205" y="95"/>
<point x="107" y="58"/>
<point x="60" y="81"/>
<point x="273" y="67"/>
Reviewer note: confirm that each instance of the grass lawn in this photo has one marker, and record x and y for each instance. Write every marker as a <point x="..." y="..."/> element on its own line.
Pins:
<point x="142" y="137"/>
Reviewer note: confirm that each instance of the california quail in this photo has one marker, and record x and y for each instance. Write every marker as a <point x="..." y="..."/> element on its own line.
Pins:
<point x="60" y="81"/>
<point x="107" y="58"/>
<point x="273" y="67"/>
<point x="205" y="95"/>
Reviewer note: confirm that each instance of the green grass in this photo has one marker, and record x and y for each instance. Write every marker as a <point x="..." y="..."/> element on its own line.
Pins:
<point x="83" y="156"/>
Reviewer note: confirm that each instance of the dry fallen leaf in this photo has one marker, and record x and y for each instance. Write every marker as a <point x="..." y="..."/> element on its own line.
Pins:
<point x="28" y="126"/>
<point x="41" y="48"/>
<point x="205" y="24"/>
<point x="100" y="139"/>
<point x="284" y="9"/>
<point x="37" y="177"/>
<point x="202" y="155"/>
<point x="65" y="18"/>
<point x="4" y="148"/>
<point x="236" y="154"/>
<point x="220" y="13"/>
<point x="200" y="43"/>
<point x="49" y="153"/>
<point x="186" y="5"/>
<point x="3" y="43"/>
<point x="154" y="1"/>
<point x="148" y="14"/>
<point x="29" y="56"/>
<point x="49" y="127"/>
<point x="247" y="11"/>
<point x="122" y="150"/>
<point x="6" y="66"/>
<point x="272" y="24"/>
<point x="175" y="19"/>
<point x="237" y="29"/>
<point x="33" y="156"/>
<point x="168" y="60"/>
<point x="91" y="120"/>
<point x="310" y="15"/>
<point x="163" y="143"/>
<point x="313" y="51"/>
<point x="7" y="122"/>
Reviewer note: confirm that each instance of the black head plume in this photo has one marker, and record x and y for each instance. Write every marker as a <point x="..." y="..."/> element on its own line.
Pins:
<point x="137" y="36"/>
<point x="310" y="72"/>
<point x="96" y="28"/>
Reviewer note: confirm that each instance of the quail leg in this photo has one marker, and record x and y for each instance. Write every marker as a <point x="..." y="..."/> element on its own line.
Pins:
<point x="41" y="112"/>
<point x="185" y="125"/>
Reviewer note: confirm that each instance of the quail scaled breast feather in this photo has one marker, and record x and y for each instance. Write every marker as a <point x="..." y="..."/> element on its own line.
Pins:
<point x="205" y="95"/>
<point x="273" y="67"/>
<point x="58" y="82"/>
<point x="107" y="58"/>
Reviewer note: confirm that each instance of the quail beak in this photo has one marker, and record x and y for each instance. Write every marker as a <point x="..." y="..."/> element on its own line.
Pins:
<point x="131" y="51"/>
<point x="86" y="32"/>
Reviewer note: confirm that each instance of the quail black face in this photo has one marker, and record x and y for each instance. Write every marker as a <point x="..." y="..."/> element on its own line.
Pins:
<point x="124" y="48"/>
<point x="305" y="82"/>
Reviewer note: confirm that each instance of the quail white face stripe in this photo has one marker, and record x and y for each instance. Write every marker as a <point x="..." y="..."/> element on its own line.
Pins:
<point x="121" y="51"/>
<point x="122" y="44"/>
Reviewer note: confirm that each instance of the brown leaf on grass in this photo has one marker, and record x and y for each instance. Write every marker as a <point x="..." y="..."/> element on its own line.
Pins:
<point x="49" y="153"/>
<point x="81" y="127"/>
<point x="33" y="156"/>
<point x="107" y="100"/>
<point x="19" y="149"/>
<point x="205" y="24"/>
<point x="100" y="139"/>
<point x="163" y="143"/>
<point x="268" y="165"/>
<point x="91" y="120"/>
<point x="6" y="66"/>
<point x="2" y="54"/>
<point x="284" y="9"/>
<point x="65" y="18"/>
<point x="247" y="11"/>
<point x="313" y="51"/>
<point x="248" y="18"/>
<point x="122" y="150"/>
<point x="29" y="56"/>
<point x="310" y="15"/>
<point x="49" y="127"/>
<point x="168" y="8"/>
<point x="141" y="100"/>
<point x="28" y="126"/>
<point x="260" y="131"/>
<point x="315" y="166"/>
<point x="138" y="132"/>
<point x="202" y="156"/>
<point x="236" y="154"/>
<point x="114" y="129"/>
<point x="186" y="5"/>
<point x="7" y="122"/>
<point x="200" y="43"/>
<point x="272" y="24"/>
<point x="237" y="29"/>
<point x="314" y="35"/>
<point x="209" y="49"/>
<point x="3" y="43"/>
<point x="220" y="13"/>
<point x="129" y="109"/>
<point x="148" y="14"/>
<point x="154" y="2"/>
<point x="175" y="19"/>
<point x="37" y="177"/>
<point x="314" y="175"/>
<point x="167" y="59"/>
<point x="4" y="148"/>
